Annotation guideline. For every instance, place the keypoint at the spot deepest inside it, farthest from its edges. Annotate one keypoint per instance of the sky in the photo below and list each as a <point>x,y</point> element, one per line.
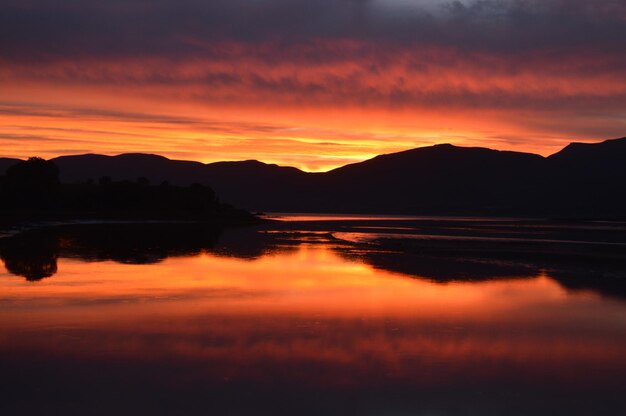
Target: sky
<point>312,84</point>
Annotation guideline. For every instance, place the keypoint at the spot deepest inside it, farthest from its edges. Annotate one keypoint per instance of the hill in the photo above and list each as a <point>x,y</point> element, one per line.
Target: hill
<point>6,163</point>
<point>243,184</point>
<point>582,180</point>
<point>443,179</point>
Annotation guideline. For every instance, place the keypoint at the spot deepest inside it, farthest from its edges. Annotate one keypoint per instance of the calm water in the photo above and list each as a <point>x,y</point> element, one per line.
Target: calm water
<point>293,319</point>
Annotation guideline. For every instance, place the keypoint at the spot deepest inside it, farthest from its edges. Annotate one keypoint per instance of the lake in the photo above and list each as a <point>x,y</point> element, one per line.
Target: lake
<point>347,315</point>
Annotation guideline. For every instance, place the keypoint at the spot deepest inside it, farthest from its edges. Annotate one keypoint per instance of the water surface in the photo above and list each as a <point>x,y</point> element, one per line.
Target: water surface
<point>293,320</point>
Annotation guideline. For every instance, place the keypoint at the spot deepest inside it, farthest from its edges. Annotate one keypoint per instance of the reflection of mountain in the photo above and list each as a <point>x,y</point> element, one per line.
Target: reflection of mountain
<point>34,254</point>
<point>449,268</point>
<point>582,180</point>
<point>608,283</point>
<point>135,243</point>
<point>575,267</point>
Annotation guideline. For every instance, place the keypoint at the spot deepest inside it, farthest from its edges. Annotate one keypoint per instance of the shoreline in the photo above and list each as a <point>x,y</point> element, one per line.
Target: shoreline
<point>11,225</point>
<point>584,265</point>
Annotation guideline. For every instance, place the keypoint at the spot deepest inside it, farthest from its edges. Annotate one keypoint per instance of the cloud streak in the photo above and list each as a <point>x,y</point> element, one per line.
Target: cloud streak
<point>392,72</point>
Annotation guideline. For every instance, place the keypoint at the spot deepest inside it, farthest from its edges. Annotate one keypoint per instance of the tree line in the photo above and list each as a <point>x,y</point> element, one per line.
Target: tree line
<point>34,186</point>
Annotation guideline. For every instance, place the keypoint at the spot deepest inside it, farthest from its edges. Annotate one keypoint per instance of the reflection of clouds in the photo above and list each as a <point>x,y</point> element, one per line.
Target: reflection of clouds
<point>288,315</point>
<point>345,351</point>
<point>309,316</point>
<point>463,250</point>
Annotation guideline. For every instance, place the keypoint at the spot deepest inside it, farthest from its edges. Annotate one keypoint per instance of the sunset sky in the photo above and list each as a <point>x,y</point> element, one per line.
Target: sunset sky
<point>308,83</point>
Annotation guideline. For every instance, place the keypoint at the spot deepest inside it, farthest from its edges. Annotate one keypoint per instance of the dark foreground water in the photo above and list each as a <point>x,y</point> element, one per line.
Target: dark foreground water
<point>348,316</point>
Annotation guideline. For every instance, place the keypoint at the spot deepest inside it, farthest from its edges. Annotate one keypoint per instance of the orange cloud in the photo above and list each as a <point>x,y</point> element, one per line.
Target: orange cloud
<point>316,106</point>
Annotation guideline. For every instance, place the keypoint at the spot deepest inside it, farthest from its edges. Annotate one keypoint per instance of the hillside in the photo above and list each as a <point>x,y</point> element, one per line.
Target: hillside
<point>582,180</point>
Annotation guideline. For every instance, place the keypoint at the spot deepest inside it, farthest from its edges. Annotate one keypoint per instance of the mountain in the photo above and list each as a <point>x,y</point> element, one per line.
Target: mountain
<point>439,179</point>
<point>590,178</point>
<point>604,154</point>
<point>582,180</point>
<point>244,184</point>
<point>6,163</point>
<point>128,166</point>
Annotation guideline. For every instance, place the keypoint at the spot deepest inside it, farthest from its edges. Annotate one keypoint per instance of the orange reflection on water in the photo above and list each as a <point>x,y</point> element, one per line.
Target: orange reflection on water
<point>312,307</point>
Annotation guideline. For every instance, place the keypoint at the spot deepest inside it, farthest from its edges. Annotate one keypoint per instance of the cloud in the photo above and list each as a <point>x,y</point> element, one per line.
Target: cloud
<point>238,74</point>
<point>353,74</point>
<point>548,54</point>
<point>40,29</point>
<point>49,131</point>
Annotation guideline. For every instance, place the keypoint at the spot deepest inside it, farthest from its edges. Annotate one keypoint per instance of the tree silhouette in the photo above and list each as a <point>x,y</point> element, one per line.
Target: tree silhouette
<point>34,174</point>
<point>33,187</point>
<point>32,184</point>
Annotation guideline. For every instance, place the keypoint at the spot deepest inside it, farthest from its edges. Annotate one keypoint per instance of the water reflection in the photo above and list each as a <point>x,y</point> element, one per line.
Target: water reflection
<point>34,254</point>
<point>248,321</point>
<point>34,257</point>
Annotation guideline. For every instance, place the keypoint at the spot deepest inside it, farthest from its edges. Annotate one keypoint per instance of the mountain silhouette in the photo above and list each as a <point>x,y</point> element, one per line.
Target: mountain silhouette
<point>439,179</point>
<point>582,180</point>
<point>590,178</point>
<point>6,163</point>
<point>248,183</point>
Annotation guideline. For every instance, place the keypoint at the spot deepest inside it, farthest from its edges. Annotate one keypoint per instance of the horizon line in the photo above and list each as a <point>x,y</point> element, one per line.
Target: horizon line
<point>317,171</point>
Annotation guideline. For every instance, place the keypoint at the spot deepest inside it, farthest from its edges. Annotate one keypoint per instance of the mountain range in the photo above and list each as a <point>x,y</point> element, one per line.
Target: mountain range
<point>582,180</point>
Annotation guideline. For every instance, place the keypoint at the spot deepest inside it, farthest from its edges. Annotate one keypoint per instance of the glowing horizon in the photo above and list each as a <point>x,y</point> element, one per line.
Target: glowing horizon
<point>351,80</point>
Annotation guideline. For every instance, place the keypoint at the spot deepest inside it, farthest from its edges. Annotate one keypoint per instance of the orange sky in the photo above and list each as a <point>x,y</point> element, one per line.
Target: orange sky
<point>61,119</point>
<point>313,98</point>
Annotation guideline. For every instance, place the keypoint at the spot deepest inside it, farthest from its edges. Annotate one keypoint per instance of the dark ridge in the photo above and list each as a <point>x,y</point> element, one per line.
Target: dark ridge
<point>581,181</point>
<point>129,166</point>
<point>442,179</point>
<point>590,179</point>
<point>31,190</point>
<point>243,184</point>
<point>431,156</point>
<point>604,149</point>
<point>6,163</point>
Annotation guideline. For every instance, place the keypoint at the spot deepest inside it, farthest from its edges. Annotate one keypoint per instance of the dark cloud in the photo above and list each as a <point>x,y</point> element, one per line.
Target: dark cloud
<point>526,58</point>
<point>40,29</point>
